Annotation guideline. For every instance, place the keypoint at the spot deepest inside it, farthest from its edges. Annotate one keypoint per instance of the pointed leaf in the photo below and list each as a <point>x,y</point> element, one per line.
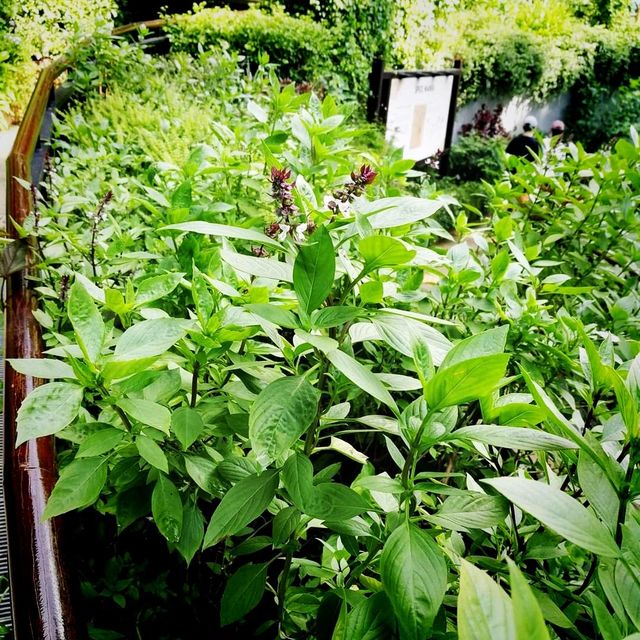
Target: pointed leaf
<point>87,322</point>
<point>513,437</point>
<point>314,270</point>
<point>242,504</point>
<point>100,442</point>
<point>192,532</point>
<point>361,377</point>
<point>527,615</point>
<point>371,619</point>
<point>487,343</point>
<point>187,425</point>
<point>47,410</point>
<point>166,508</point>
<point>152,453</point>
<point>414,575</point>
<point>79,485</point>
<point>243,592</point>
<point>383,251</point>
<point>484,609</point>
<point>283,411</point>
<point>150,338</point>
<point>559,512</point>
<point>465,381</point>
<point>223,231</point>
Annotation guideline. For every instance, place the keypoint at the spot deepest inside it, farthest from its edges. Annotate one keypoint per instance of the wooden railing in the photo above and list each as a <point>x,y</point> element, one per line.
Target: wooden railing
<point>41,587</point>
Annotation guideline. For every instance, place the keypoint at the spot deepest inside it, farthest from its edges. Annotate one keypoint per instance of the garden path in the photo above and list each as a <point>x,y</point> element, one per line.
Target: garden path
<point>6,142</point>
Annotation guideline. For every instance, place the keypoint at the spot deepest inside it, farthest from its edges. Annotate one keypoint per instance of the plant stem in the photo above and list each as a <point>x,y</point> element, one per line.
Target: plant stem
<point>310,440</point>
<point>194,384</point>
<point>411,461</point>
<point>282,589</point>
<point>587,579</point>
<point>625,491</point>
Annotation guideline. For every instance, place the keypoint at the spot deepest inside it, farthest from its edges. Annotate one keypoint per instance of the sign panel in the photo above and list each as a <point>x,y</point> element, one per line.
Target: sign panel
<point>418,114</point>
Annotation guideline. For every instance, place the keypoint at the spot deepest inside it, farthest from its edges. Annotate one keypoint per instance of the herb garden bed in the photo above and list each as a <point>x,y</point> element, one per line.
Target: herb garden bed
<point>272,426</point>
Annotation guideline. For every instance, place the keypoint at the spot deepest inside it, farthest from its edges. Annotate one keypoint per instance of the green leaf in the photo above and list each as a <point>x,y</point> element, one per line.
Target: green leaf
<point>223,231</point>
<point>527,615</point>
<point>146,412</point>
<point>484,609</point>
<point>557,420</point>
<point>606,623</point>
<point>471,511</point>
<point>202,297</point>
<point>414,575</point>
<point>465,381</point>
<point>277,315</point>
<point>47,410</point>
<point>383,251</point>
<point>192,532</point>
<point>100,442</point>
<point>559,512</point>
<point>361,377</point>
<point>243,592</point>
<point>242,504</point>
<point>598,490</point>
<point>386,213</point>
<point>284,525</point>
<point>403,334</point>
<point>627,582</point>
<point>488,343</point>
<point>334,316</point>
<point>150,338</point>
<point>260,267</point>
<point>157,287</point>
<point>182,198</point>
<point>87,322</point>
<point>512,438</point>
<point>371,619</point>
<point>314,270</point>
<point>372,292</point>
<point>41,368</point>
<point>166,508</point>
<point>297,478</point>
<point>187,425</point>
<point>203,472</point>
<point>152,453</point>
<point>282,412</point>
<point>333,501</point>
<point>79,485</point>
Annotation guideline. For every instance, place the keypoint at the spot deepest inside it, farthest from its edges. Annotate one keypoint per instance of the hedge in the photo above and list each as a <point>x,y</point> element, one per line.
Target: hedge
<point>300,47</point>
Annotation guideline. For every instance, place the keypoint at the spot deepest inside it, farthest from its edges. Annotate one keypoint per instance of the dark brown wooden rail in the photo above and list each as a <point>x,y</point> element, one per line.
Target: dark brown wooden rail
<point>41,591</point>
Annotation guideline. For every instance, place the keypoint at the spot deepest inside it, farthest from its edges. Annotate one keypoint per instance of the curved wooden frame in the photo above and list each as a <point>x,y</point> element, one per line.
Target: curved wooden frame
<point>41,593</point>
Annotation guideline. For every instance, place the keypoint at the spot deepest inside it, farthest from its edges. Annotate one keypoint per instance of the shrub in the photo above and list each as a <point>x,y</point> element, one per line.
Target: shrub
<point>323,425</point>
<point>298,46</point>
<point>361,32</point>
<point>34,31</point>
<point>474,157</point>
<point>603,116</point>
<point>535,48</point>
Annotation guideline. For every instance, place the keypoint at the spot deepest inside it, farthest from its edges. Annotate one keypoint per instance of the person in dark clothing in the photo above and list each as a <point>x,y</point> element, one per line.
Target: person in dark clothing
<point>526,144</point>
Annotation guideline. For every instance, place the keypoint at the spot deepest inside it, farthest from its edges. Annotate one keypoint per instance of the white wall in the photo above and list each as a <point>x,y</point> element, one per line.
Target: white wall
<point>514,112</point>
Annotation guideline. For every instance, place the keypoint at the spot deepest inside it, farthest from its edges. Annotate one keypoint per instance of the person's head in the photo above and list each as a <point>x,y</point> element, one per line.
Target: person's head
<point>530,123</point>
<point>557,128</point>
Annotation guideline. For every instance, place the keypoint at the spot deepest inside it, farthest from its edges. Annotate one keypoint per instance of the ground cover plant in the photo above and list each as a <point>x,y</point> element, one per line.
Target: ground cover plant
<point>261,362</point>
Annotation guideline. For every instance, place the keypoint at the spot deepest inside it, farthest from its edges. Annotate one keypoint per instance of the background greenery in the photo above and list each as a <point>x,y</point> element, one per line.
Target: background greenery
<point>528,47</point>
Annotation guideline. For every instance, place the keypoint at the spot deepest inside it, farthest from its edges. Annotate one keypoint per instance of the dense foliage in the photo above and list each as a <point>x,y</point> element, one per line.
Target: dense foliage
<point>259,350</point>
<point>32,32</point>
<point>535,48</point>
